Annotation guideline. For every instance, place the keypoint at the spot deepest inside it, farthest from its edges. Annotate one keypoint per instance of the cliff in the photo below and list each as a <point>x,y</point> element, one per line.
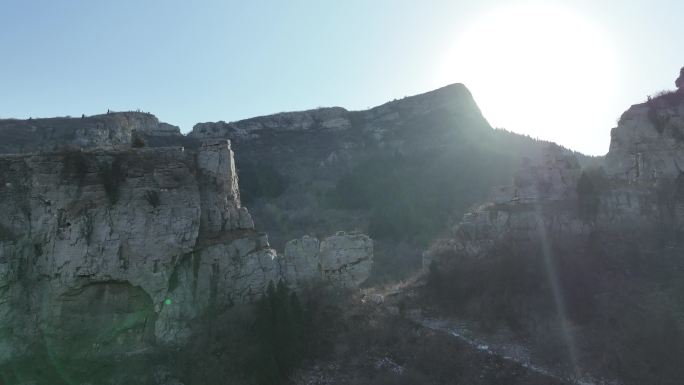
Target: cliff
<point>583,265</point>
<point>115,227</point>
<point>111,130</point>
<point>396,172</point>
<point>113,251</point>
<point>636,191</point>
<point>648,142</point>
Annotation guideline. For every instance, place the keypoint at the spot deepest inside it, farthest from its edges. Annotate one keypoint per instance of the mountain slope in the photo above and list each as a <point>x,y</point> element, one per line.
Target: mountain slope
<point>584,265</point>
<point>399,171</point>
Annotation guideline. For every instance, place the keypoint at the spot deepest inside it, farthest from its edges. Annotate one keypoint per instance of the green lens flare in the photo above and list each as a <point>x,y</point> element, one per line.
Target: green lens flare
<point>167,301</point>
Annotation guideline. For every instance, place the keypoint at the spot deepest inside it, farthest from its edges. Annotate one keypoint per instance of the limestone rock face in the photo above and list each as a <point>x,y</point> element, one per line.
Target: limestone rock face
<point>540,199</point>
<point>216,277</point>
<point>301,259</point>
<point>550,176</point>
<point>312,150</point>
<point>343,259</point>
<point>639,197</point>
<point>334,118</point>
<point>454,97</point>
<point>120,251</point>
<point>314,167</point>
<point>648,142</point>
<point>219,189</point>
<point>112,252</point>
<point>107,131</point>
<point>346,259</point>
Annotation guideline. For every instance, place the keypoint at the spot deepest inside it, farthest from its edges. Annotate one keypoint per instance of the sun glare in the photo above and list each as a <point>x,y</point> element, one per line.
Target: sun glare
<point>539,70</point>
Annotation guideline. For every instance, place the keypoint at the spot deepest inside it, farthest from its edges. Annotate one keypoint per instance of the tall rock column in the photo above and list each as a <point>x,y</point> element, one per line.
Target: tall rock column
<point>221,209</point>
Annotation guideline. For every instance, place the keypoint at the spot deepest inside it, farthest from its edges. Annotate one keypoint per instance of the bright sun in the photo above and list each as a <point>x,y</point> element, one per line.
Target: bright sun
<point>542,71</point>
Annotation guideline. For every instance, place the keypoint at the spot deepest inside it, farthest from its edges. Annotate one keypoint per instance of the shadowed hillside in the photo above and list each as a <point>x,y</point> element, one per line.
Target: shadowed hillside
<point>400,172</point>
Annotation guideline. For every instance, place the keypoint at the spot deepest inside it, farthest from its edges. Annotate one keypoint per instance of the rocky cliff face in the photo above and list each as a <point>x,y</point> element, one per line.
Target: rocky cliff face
<point>551,197</point>
<point>640,193</point>
<point>135,230</point>
<point>344,259</point>
<point>543,197</point>
<point>111,130</point>
<point>334,118</point>
<point>648,142</point>
<point>109,251</point>
<point>312,150</point>
<point>595,254</point>
<point>396,171</point>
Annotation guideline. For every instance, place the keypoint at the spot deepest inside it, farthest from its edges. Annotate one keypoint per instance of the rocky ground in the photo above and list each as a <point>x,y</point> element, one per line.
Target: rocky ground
<point>378,341</point>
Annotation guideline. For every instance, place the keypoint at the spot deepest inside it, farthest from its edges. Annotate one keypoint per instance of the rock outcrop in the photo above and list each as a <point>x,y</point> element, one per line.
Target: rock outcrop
<point>648,142</point>
<point>219,190</point>
<point>343,259</point>
<point>107,131</point>
<point>543,195</point>
<point>311,151</point>
<point>109,249</point>
<point>594,252</point>
<point>158,236</point>
<point>455,98</point>
<point>334,118</point>
<point>390,171</point>
<point>636,193</point>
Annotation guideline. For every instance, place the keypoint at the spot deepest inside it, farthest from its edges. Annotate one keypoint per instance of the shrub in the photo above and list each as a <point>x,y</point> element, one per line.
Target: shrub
<point>74,165</point>
<point>661,101</point>
<point>621,303</point>
<point>137,141</point>
<point>112,175</point>
<point>152,197</point>
<point>394,261</point>
<point>6,234</point>
<point>280,331</point>
<point>412,197</point>
<point>504,289</point>
<point>640,342</point>
<point>591,184</point>
<point>260,180</point>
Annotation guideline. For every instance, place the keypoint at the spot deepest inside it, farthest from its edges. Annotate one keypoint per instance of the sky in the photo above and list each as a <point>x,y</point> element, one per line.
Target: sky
<point>198,61</point>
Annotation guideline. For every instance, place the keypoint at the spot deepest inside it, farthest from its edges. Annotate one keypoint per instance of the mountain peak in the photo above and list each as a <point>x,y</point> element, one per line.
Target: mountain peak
<point>455,98</point>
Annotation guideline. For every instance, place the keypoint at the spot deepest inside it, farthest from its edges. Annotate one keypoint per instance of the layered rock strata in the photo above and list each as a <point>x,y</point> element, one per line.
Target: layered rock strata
<point>157,236</point>
<point>118,234</point>
<point>107,131</point>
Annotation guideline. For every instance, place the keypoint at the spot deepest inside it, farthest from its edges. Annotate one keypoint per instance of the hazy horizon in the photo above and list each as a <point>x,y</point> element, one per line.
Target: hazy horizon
<point>231,61</point>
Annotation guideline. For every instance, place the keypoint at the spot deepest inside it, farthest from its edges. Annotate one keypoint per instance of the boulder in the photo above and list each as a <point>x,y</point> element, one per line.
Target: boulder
<point>343,259</point>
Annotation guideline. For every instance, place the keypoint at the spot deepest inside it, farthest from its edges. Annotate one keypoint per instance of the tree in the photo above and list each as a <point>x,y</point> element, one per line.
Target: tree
<point>279,328</point>
<point>590,186</point>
